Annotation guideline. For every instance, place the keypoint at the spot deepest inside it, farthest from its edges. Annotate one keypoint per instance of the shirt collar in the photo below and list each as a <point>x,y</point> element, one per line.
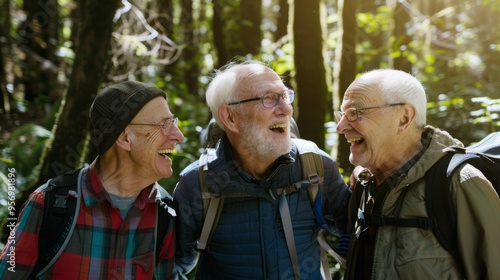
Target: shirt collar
<point>94,193</point>
<point>393,179</point>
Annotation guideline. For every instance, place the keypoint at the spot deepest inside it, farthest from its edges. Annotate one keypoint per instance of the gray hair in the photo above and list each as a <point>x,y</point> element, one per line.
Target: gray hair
<point>399,86</point>
<point>223,87</point>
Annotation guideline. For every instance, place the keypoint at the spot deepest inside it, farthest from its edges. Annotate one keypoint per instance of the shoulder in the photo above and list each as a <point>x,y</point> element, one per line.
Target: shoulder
<point>470,175</point>
<point>211,158</point>
<point>190,169</point>
<point>188,183</point>
<point>469,187</point>
<point>305,146</point>
<point>35,198</point>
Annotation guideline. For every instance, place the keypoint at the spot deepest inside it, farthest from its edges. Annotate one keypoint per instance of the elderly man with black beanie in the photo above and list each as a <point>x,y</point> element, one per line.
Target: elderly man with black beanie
<point>123,226</point>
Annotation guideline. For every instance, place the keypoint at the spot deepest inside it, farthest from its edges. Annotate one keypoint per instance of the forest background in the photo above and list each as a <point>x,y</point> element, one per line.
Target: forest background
<point>56,55</point>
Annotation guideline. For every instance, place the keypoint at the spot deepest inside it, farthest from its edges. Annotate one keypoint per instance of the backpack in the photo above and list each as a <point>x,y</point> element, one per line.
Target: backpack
<point>312,172</point>
<point>485,156</point>
<point>61,207</point>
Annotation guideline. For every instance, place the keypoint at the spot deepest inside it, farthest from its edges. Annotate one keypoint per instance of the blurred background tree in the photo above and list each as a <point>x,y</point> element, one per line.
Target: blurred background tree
<point>56,55</point>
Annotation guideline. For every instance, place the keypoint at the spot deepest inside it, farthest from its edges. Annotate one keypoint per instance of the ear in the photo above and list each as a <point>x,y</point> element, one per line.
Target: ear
<point>228,118</point>
<point>407,117</point>
<point>124,140</point>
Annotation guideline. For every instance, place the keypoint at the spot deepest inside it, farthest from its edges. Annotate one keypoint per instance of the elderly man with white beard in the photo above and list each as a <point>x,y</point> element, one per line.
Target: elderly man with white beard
<point>255,163</point>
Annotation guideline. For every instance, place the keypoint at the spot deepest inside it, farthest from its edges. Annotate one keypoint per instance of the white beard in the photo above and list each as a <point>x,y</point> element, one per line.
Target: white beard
<point>255,139</point>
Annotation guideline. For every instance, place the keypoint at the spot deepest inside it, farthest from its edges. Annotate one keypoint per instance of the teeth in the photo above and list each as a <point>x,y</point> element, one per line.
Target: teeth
<point>165,151</point>
<point>351,140</point>
<point>282,125</point>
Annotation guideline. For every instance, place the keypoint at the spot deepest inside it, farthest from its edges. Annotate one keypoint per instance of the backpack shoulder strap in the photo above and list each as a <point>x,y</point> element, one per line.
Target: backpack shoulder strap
<point>439,205</point>
<point>313,172</point>
<point>312,163</point>
<point>441,218</point>
<point>438,199</point>
<point>485,156</point>
<point>205,158</point>
<point>212,203</point>
<point>61,207</point>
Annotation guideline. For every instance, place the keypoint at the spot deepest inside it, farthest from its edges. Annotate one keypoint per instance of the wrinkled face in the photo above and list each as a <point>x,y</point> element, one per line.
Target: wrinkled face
<point>372,134</point>
<point>265,131</point>
<point>153,136</point>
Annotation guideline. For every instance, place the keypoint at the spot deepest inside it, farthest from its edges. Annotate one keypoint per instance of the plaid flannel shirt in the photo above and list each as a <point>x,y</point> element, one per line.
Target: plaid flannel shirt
<point>103,245</point>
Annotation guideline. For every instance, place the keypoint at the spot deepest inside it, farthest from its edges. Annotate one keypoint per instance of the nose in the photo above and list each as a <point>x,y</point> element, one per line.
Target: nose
<point>177,134</point>
<point>343,125</point>
<point>284,107</point>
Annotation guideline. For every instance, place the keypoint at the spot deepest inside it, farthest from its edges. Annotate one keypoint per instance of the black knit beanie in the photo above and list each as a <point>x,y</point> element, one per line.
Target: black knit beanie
<point>114,108</point>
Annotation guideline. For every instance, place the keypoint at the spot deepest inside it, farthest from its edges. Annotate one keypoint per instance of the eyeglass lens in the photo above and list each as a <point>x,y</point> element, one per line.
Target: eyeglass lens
<point>351,114</point>
<point>272,99</point>
<point>170,121</point>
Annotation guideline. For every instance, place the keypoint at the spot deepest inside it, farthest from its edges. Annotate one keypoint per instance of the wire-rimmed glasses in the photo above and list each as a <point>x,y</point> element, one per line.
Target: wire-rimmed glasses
<point>270,99</point>
<point>165,126</point>
<point>351,114</point>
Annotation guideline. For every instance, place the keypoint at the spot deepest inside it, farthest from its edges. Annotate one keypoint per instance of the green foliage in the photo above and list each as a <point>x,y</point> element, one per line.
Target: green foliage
<point>467,118</point>
<point>453,51</point>
<point>23,148</point>
<point>21,151</point>
<point>376,21</point>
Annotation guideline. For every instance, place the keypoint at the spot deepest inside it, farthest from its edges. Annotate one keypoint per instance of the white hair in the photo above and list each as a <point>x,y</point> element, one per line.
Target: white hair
<point>398,86</point>
<point>222,88</point>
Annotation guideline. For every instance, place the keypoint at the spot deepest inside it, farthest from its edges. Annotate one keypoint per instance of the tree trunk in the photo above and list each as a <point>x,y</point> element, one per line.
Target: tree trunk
<point>377,41</point>
<point>5,54</point>
<point>282,23</point>
<point>348,70</point>
<point>236,28</point>
<point>67,148</point>
<point>191,54</point>
<point>218,31</point>
<point>161,17</point>
<point>310,71</point>
<point>39,40</point>
<point>251,34</point>
<point>402,40</point>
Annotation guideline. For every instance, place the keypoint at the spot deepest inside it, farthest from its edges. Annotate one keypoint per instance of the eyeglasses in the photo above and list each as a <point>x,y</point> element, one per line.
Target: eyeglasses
<point>270,99</point>
<point>165,126</point>
<point>352,114</point>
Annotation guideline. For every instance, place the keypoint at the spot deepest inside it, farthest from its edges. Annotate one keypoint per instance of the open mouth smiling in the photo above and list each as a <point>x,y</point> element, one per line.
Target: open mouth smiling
<point>280,128</point>
<point>355,140</point>
<point>165,152</point>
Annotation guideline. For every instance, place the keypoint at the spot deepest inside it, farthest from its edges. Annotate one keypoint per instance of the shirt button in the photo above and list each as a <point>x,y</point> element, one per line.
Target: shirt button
<point>118,269</point>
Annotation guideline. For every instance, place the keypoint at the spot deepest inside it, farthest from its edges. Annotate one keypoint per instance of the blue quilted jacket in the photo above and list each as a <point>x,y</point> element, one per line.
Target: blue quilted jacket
<point>248,241</point>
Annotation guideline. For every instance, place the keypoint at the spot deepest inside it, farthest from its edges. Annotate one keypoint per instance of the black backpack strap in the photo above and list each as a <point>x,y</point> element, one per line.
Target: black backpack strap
<point>439,205</point>
<point>61,207</point>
